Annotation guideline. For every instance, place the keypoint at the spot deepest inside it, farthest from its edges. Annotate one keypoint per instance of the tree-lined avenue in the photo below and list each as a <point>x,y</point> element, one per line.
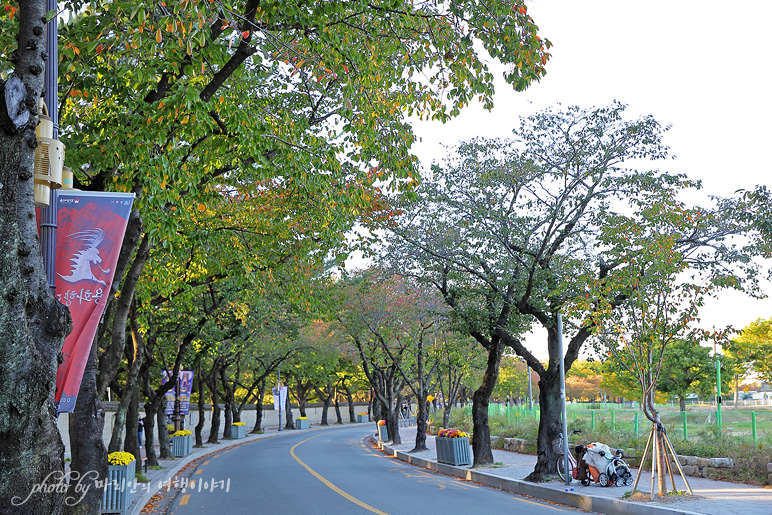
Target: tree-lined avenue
<point>335,472</point>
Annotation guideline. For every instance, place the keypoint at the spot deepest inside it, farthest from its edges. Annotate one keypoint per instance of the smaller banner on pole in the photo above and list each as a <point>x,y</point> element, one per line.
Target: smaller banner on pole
<point>184,387</point>
<point>89,236</point>
<point>279,398</point>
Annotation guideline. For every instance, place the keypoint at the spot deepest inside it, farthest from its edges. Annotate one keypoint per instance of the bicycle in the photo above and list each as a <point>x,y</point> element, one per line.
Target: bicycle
<point>557,447</point>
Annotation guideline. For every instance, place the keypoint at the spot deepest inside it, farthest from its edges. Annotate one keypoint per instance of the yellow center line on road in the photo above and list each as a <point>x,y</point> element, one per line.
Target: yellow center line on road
<point>198,471</point>
<point>331,486</point>
<point>184,499</point>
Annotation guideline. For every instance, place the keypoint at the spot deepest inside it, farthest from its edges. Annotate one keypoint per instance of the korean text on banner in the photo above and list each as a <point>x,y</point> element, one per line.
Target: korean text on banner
<point>89,235</point>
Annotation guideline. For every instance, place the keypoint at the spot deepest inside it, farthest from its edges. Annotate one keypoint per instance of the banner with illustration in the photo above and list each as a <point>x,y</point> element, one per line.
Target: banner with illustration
<point>90,229</point>
<point>184,387</point>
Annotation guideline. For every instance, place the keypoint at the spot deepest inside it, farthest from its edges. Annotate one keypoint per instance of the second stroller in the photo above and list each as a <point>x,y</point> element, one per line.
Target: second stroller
<point>606,467</point>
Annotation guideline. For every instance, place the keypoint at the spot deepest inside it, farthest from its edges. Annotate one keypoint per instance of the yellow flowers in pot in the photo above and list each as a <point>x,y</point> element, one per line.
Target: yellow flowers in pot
<point>120,458</point>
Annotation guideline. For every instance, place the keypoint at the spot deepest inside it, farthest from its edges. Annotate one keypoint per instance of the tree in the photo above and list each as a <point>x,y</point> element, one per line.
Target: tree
<point>395,325</point>
<point>688,368</point>
<point>33,324</point>
<point>514,233</point>
<point>458,359</point>
<point>752,348</point>
<point>583,381</point>
<point>194,104</point>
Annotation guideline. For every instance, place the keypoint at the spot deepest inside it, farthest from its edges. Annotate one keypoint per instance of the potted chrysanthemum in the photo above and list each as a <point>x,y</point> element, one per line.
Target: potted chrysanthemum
<point>302,423</point>
<point>363,417</point>
<point>182,443</point>
<point>119,484</point>
<point>453,447</point>
<point>383,431</point>
<point>238,430</point>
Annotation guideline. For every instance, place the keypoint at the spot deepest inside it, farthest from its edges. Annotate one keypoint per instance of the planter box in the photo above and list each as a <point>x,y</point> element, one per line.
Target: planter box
<point>363,418</point>
<point>302,423</point>
<point>238,432</point>
<point>119,488</point>
<point>453,451</point>
<point>182,445</point>
<point>383,433</point>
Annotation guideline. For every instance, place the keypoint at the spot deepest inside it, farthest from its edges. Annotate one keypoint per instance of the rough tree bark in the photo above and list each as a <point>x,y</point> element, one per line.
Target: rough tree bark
<point>89,455</point>
<point>259,408</point>
<point>326,397</point>
<point>32,323</point>
<point>350,398</point>
<point>201,406</point>
<point>481,433</point>
<point>288,413</point>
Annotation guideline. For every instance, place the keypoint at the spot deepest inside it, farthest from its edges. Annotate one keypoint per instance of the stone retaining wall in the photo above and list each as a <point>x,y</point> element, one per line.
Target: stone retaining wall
<point>513,444</point>
<point>704,467</point>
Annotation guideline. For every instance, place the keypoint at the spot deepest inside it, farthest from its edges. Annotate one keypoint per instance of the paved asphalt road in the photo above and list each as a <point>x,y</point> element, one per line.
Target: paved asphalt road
<point>334,472</point>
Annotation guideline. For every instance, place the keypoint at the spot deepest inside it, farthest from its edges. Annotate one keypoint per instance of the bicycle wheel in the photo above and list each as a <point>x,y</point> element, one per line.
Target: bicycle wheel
<point>561,468</point>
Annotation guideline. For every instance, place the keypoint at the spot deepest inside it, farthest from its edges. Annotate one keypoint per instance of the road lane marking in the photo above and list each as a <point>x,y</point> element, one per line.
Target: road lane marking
<point>184,499</point>
<point>331,486</point>
<point>198,471</point>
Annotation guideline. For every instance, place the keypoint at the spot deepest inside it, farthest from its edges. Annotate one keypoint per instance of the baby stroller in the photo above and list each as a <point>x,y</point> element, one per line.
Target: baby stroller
<point>606,467</point>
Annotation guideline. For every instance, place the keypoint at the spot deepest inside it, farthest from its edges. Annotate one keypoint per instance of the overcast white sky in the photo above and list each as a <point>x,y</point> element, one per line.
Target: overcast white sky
<point>701,66</point>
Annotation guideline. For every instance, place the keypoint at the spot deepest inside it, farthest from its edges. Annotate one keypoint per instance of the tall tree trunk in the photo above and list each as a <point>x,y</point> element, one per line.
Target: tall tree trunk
<point>288,414</point>
<point>481,433</point>
<point>259,408</point>
<point>163,433</point>
<point>152,458</point>
<point>89,455</point>
<point>326,397</point>
<point>550,425</point>
<point>228,403</point>
<point>350,399</point>
<point>131,442</point>
<point>682,403</point>
<point>301,394</point>
<point>214,428</point>
<point>421,421</point>
<point>337,409</point>
<point>136,351</point>
<point>119,422</point>
<point>33,324</point>
<point>201,407</point>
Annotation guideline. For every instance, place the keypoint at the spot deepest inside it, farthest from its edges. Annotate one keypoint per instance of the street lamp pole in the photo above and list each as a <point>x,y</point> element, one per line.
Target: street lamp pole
<point>567,470</point>
<point>48,221</point>
<point>530,389</point>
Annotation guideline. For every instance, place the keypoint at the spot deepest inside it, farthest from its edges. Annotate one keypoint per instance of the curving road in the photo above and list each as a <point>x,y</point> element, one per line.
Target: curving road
<point>334,472</point>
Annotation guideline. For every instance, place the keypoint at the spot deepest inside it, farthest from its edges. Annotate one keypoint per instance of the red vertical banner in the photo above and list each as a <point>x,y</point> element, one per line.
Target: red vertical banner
<point>90,229</point>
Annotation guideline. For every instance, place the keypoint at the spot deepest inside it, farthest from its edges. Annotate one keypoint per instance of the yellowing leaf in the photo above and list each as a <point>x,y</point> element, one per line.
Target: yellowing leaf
<point>158,36</point>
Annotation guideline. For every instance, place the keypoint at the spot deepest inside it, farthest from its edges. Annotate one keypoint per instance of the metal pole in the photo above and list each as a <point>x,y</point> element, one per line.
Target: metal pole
<point>636,424</point>
<point>753,425</point>
<point>48,221</point>
<point>278,392</point>
<point>686,433</point>
<point>530,390</point>
<point>718,391</point>
<point>567,470</point>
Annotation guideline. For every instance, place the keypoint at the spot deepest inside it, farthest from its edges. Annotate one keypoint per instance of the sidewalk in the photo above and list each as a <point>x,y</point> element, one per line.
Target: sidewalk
<point>710,497</point>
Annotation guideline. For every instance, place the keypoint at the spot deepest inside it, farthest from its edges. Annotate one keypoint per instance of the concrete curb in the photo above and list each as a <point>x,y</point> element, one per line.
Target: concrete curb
<point>517,486</point>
